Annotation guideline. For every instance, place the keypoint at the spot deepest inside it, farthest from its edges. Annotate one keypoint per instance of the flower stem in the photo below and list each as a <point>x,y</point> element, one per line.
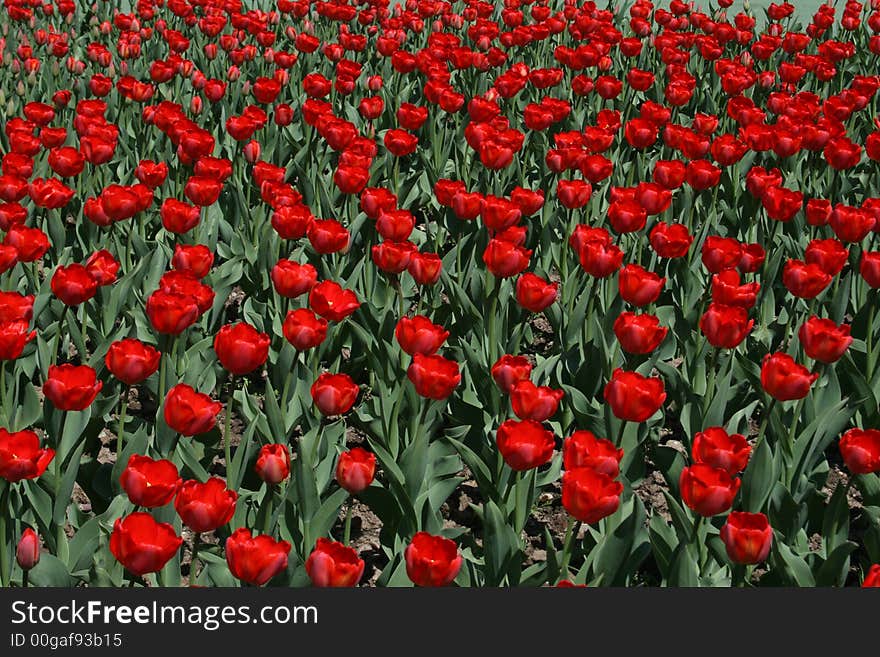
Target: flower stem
<point>227,434</point>
<point>566,548</point>
<point>194,562</point>
<point>346,536</point>
<point>4,553</point>
<point>121,430</point>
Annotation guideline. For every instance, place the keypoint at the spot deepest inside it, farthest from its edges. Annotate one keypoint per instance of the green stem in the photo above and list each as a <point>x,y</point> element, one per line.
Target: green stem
<point>566,548</point>
<point>869,339</point>
<point>346,536</point>
<point>194,562</point>
<point>710,386</point>
<point>24,579</point>
<point>4,539</point>
<point>698,544</point>
<point>493,328</point>
<point>620,433</point>
<point>3,395</point>
<point>763,428</point>
<point>121,430</point>
<point>58,336</point>
<point>227,434</point>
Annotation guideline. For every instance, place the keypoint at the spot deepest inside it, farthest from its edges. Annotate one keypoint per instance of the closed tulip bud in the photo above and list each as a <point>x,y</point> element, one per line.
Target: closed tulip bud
<point>589,495</point>
<point>425,268</point>
<point>747,537</point>
<point>255,559</point>
<point>824,340</point>
<point>332,564</point>
<point>273,463</point>
<point>355,469</point>
<point>432,560</point>
<point>707,490</point>
<point>334,394</point>
<point>143,545</point>
<point>27,552</point>
<point>150,483</point>
<point>860,449</point>
<point>715,447</point>
<point>196,260</point>
<point>204,507</point>
<point>509,370</point>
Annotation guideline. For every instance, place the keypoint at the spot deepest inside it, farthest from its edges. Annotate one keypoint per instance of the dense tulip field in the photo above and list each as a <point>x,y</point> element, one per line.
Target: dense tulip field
<point>523,293</point>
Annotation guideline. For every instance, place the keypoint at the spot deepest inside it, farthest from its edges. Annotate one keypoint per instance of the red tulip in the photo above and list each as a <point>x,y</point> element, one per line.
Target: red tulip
<point>150,483</point>
<point>639,334</point>
<point>131,361</point>
<point>715,447</point>
<point>784,379</point>
<point>707,490</point>
<point>303,329</point>
<point>73,284</point>
<point>860,449</point>
<point>432,560</point>
<point>196,260</point>
<point>725,327</point>
<point>21,456</point>
<point>671,240</point>
<point>419,335</point>
<point>727,290</point>
<point>869,268</point>
<point>355,469</point>
<point>634,397</point>
<point>525,445</point>
<point>589,495</point>
<point>434,377</point>
<point>171,313</point>
<point>189,412</point>
<point>329,300</point>
<point>241,348</point>
<point>505,259</point>
<point>292,279</point>
<point>534,293</point>
<point>71,387</point>
<point>400,142</point>
<point>720,253</point>
<point>872,579</point>
<point>583,449</point>
<point>830,255</point>
<point>639,286</point>
<point>509,370</point>
<point>332,564</point>
<point>255,559</point>
<point>328,236</point>
<point>334,394</point>
<point>531,402</point>
<point>747,537</point>
<point>425,268</point>
<point>823,340</point>
<point>13,337</point>
<point>179,217</point>
<point>204,507</point>
<point>804,280</point>
<point>292,222</point>
<point>143,545</point>
<point>273,463</point>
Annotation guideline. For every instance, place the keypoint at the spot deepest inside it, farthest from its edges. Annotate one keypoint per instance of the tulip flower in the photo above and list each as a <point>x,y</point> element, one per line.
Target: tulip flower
<point>150,483</point>
<point>747,537</point>
<point>432,560</point>
<point>143,545</point>
<point>255,559</point>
